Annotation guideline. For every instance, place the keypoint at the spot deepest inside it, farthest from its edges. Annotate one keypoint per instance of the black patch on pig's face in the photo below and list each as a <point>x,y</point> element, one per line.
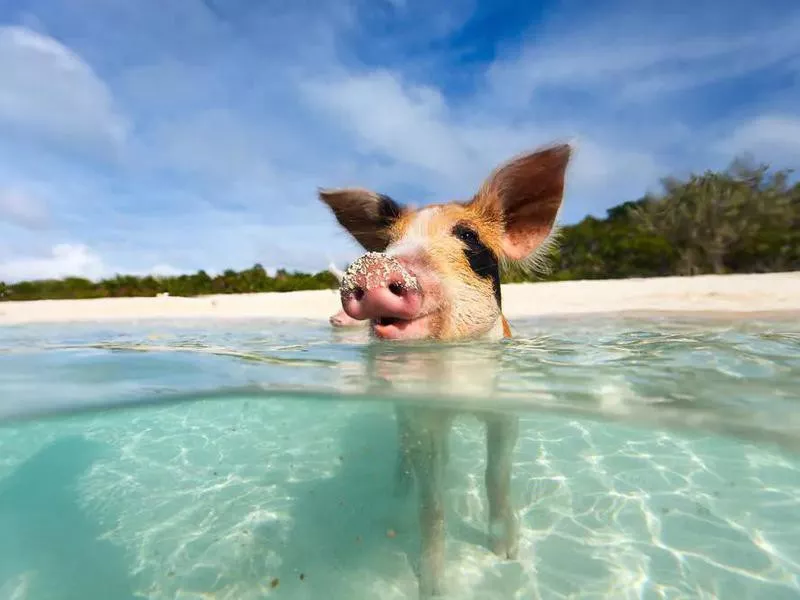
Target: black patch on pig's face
<point>481,259</point>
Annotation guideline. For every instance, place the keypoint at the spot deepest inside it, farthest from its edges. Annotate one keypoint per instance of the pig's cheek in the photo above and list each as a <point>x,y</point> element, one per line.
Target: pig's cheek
<point>433,293</point>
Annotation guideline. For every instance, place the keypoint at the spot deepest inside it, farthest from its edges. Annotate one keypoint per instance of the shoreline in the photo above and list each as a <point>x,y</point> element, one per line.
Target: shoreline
<point>744,295</point>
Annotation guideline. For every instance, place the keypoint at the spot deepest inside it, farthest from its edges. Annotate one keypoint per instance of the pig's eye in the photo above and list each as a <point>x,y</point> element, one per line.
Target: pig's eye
<point>466,235</point>
<point>481,259</point>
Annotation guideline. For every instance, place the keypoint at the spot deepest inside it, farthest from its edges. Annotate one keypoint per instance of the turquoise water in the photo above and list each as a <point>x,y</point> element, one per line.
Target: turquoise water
<point>235,460</point>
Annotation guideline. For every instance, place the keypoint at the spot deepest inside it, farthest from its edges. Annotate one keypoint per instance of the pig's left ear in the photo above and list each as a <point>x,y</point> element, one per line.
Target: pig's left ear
<point>366,215</point>
<point>526,194</point>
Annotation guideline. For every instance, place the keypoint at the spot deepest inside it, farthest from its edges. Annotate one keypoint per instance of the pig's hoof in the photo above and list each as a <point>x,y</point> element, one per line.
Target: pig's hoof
<point>430,588</point>
<point>504,537</point>
<point>431,575</point>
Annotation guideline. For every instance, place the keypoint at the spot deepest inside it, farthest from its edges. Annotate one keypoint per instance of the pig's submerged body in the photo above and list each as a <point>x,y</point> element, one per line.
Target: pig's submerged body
<point>630,480</point>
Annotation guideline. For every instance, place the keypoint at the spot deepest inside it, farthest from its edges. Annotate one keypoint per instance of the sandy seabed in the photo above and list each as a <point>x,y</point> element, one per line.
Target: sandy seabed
<point>730,294</point>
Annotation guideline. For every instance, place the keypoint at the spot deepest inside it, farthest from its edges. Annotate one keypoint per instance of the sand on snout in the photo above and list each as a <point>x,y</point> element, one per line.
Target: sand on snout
<point>708,294</point>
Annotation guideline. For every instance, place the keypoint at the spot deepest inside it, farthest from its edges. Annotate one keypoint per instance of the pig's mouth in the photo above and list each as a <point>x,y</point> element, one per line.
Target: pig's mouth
<point>396,328</point>
<point>386,321</point>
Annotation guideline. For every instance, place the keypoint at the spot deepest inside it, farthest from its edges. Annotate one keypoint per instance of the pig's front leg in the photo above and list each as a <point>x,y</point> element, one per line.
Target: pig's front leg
<point>502,432</point>
<point>427,441</point>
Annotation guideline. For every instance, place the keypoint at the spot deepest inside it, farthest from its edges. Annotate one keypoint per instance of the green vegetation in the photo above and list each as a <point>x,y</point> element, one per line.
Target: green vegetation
<point>745,219</point>
<point>250,280</point>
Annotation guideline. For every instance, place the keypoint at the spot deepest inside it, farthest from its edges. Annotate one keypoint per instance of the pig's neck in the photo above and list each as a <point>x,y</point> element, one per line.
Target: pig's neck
<point>499,330</point>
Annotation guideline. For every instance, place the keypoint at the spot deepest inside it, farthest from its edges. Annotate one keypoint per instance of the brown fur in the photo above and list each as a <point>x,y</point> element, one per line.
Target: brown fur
<point>528,190</point>
<point>446,257</point>
<point>356,210</point>
<point>506,329</point>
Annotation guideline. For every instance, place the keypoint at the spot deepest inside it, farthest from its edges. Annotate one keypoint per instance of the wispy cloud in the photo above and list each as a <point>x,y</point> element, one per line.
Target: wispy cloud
<point>772,138</point>
<point>197,139</point>
<point>641,56</point>
<point>49,91</point>
<point>23,208</point>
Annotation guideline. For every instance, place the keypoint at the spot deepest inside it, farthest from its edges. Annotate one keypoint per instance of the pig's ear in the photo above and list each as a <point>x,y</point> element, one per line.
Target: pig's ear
<point>366,215</point>
<point>526,194</point>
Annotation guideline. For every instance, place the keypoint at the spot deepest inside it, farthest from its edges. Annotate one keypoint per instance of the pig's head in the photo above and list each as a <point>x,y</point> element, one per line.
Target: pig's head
<point>434,272</point>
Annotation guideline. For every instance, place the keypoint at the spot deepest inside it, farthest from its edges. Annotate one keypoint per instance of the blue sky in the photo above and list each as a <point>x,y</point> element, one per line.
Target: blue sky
<point>163,137</point>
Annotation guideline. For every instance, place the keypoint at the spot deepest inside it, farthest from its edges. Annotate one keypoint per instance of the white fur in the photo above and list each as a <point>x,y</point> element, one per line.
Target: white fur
<point>416,236</point>
<point>471,308</point>
<point>496,332</point>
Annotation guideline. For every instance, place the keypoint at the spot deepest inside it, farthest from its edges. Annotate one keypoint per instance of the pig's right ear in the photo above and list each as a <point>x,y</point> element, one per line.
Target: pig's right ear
<point>365,214</point>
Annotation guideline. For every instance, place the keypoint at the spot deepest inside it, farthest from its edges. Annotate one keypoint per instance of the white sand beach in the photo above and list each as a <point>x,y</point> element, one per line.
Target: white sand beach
<point>728,294</point>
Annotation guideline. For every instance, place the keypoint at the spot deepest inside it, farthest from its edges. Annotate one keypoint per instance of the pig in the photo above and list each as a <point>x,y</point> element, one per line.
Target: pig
<point>433,273</point>
<point>341,318</point>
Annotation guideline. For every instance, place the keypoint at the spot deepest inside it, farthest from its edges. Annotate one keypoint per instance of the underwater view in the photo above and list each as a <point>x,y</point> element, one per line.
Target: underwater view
<point>657,458</point>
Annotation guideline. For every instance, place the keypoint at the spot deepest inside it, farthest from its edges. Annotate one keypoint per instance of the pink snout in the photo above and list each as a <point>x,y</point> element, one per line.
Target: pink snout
<point>377,286</point>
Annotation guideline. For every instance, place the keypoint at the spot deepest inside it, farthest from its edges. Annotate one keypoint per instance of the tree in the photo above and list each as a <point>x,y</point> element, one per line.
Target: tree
<point>724,222</point>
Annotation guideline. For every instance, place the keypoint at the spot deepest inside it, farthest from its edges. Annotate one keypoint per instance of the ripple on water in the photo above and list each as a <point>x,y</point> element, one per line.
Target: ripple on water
<point>245,496</point>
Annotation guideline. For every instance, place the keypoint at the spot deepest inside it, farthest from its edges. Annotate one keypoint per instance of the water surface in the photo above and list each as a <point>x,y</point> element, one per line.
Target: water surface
<point>658,458</point>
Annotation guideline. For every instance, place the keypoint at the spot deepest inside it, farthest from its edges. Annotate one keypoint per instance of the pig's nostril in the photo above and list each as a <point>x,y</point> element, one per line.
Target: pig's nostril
<point>358,294</point>
<point>397,288</point>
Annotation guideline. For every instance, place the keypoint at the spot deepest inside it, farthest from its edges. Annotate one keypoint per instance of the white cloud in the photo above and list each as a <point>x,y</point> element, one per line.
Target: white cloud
<point>70,260</point>
<point>771,138</point>
<point>632,54</point>
<point>450,148</point>
<point>48,90</point>
<point>405,122</point>
<point>65,260</point>
<point>22,208</point>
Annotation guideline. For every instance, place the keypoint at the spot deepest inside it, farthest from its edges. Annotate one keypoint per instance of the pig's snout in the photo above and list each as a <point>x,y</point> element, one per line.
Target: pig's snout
<point>393,301</point>
<point>377,286</point>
